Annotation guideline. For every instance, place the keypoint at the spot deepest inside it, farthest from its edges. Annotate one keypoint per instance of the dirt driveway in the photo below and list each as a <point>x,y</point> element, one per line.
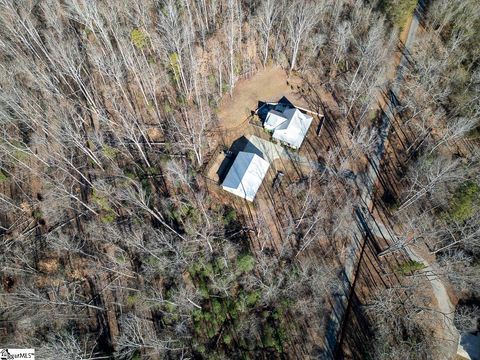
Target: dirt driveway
<point>271,151</point>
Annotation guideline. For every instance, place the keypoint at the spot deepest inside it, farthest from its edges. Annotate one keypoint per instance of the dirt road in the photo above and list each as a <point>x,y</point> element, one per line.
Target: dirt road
<point>366,183</point>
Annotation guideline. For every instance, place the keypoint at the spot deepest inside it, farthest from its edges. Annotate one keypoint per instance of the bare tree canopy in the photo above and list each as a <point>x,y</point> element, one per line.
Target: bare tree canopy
<point>120,120</point>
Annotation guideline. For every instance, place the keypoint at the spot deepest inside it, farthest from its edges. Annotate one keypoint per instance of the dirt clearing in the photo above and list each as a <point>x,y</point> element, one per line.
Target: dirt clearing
<point>269,84</point>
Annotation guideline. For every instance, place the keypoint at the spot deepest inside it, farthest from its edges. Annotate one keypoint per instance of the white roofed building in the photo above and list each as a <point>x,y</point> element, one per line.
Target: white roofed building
<point>274,119</point>
<point>245,175</point>
<point>289,126</point>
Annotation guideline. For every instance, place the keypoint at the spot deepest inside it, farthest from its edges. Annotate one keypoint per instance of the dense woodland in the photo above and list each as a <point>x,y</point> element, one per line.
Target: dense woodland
<point>111,245</point>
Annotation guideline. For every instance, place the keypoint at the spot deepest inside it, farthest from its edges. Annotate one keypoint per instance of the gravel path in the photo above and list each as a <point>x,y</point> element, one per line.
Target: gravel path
<point>273,151</point>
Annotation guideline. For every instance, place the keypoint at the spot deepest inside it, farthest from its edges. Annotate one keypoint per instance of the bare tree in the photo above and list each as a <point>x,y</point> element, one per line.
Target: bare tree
<point>68,346</point>
<point>138,335</point>
<point>190,129</point>
<point>426,177</point>
<point>301,17</point>
<point>466,318</point>
<point>232,35</point>
<point>267,16</point>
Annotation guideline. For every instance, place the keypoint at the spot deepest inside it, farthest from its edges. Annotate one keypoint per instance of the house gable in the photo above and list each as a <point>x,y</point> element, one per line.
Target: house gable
<point>292,130</point>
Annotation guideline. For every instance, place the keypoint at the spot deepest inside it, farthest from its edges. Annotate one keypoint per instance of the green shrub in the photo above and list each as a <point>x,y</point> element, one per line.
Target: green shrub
<point>21,155</point>
<point>147,187</point>
<point>194,269</point>
<point>152,171</point>
<point>212,80</point>
<point>253,297</point>
<point>398,11</point>
<point>167,108</point>
<point>169,307</point>
<point>227,339</point>
<point>277,314</point>
<point>207,316</point>
<point>186,212</point>
<point>108,218</point>
<point>121,258</point>
<point>225,87</point>
<point>219,264</point>
<point>410,266</point>
<point>464,201</point>
<point>132,299</point>
<point>197,315</point>
<point>101,201</point>
<point>201,349</point>
<point>222,313</point>
<point>245,263</point>
<point>131,175</point>
<point>267,339</point>
<point>285,304</point>
<point>37,214</point>
<point>216,307</point>
<point>211,332</point>
<point>230,216</point>
<point>3,177</point>
<point>240,305</point>
<point>203,290</point>
<point>139,38</point>
<point>207,270</point>
<point>175,64</point>
<point>152,261</point>
<point>109,152</point>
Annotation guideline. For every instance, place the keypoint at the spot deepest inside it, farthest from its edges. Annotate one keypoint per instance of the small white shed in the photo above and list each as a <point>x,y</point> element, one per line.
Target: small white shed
<point>246,175</point>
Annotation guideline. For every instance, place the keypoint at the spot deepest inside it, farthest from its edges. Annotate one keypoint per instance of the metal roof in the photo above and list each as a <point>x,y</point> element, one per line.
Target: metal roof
<point>246,175</point>
<point>292,130</point>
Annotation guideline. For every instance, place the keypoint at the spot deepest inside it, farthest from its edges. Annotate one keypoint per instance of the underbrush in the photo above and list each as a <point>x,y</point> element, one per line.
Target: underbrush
<point>398,11</point>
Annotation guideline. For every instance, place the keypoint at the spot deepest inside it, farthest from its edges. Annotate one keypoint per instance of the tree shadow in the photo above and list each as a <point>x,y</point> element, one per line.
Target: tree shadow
<point>358,332</point>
